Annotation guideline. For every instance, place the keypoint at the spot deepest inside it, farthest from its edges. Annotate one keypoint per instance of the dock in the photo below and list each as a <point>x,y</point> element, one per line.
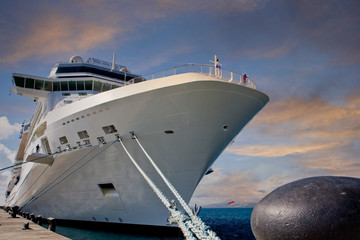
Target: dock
<point>12,228</point>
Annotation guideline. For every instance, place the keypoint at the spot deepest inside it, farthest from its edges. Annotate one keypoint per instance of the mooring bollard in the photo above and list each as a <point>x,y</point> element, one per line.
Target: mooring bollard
<point>13,214</point>
<point>27,215</point>
<point>39,220</point>
<point>32,217</point>
<point>26,226</point>
<point>14,211</point>
<point>52,224</point>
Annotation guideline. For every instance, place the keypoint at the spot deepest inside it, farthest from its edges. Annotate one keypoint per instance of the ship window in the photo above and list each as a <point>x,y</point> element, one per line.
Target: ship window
<point>39,84</point>
<point>106,87</point>
<point>101,140</point>
<point>169,131</point>
<point>65,94</point>
<point>72,86</point>
<point>48,86</point>
<point>82,93</point>
<point>19,81</point>
<point>83,134</point>
<point>63,140</point>
<point>114,86</point>
<point>64,86</point>
<point>97,86</point>
<point>88,85</point>
<point>29,83</point>
<point>56,86</point>
<point>80,85</point>
<point>110,129</point>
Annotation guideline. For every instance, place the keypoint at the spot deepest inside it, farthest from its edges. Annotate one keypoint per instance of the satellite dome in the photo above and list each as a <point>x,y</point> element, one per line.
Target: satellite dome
<point>76,59</point>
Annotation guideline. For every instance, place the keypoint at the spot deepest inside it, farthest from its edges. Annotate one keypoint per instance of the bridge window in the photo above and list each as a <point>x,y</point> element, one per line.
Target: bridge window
<point>29,83</point>
<point>19,81</point>
<point>80,85</point>
<point>105,87</point>
<point>97,86</point>
<point>39,84</point>
<point>48,86</point>
<point>56,86</point>
<point>88,85</point>
<point>64,86</point>
<point>72,86</point>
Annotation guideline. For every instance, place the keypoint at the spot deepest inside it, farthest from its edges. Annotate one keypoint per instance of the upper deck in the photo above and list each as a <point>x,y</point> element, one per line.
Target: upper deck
<point>99,76</point>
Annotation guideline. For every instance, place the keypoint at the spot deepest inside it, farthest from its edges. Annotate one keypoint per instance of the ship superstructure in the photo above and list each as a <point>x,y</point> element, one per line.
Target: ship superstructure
<point>73,166</point>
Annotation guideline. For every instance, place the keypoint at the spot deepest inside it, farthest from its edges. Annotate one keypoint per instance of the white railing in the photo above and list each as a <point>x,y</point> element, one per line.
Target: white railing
<point>211,70</point>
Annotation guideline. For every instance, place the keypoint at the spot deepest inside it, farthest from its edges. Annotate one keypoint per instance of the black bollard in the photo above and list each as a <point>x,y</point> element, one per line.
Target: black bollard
<point>39,220</point>
<point>26,226</point>
<point>32,217</point>
<point>52,224</point>
<point>27,215</point>
<point>14,211</point>
<point>321,208</point>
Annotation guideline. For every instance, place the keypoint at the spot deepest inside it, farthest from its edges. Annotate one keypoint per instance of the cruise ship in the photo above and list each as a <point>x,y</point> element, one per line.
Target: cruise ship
<point>100,133</point>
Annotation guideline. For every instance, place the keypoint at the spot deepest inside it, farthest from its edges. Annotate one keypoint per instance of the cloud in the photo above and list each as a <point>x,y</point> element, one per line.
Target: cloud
<point>311,133</point>
<point>6,128</point>
<point>9,153</point>
<point>311,119</point>
<point>221,186</point>
<point>57,34</point>
<point>330,26</point>
<point>278,150</point>
<point>42,28</point>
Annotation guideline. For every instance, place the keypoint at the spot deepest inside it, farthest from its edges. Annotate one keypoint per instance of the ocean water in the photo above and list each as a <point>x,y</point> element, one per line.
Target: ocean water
<point>228,223</point>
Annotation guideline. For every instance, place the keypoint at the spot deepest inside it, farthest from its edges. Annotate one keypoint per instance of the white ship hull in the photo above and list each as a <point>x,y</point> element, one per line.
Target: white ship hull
<point>204,114</point>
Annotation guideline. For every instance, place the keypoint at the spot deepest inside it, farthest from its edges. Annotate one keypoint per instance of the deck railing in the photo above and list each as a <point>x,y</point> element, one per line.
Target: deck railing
<point>211,70</point>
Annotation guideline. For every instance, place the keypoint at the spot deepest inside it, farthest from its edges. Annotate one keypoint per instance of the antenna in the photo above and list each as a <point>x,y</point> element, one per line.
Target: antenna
<point>113,63</point>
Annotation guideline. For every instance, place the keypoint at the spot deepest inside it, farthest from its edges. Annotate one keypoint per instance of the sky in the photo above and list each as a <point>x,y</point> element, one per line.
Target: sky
<point>305,55</point>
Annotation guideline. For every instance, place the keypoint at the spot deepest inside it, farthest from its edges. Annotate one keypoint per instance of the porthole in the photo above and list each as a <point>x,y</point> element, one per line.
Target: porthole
<point>225,128</point>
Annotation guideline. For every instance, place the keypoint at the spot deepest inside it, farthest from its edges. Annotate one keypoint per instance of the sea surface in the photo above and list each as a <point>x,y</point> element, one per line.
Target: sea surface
<point>228,223</point>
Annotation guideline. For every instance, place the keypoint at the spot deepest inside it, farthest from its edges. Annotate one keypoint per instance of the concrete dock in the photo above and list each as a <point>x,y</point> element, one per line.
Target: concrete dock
<point>12,228</point>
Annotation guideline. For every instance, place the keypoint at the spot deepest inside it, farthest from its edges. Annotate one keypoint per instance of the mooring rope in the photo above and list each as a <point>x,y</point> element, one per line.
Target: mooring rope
<point>194,224</point>
<point>177,216</point>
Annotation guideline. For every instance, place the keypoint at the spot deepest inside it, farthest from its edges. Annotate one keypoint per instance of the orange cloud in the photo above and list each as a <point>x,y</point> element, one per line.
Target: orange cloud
<point>278,150</point>
<point>57,34</point>
<point>313,118</point>
<point>90,23</point>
